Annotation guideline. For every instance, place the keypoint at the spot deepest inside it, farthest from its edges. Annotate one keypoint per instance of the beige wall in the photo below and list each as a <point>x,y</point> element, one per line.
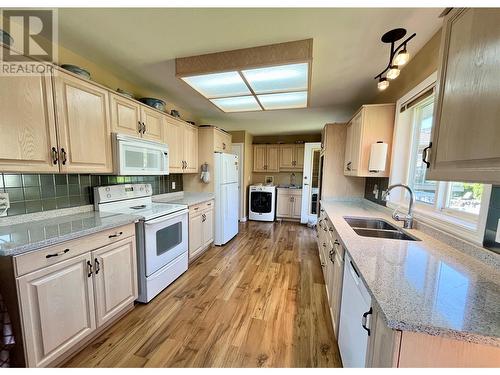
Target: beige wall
<point>104,75</point>
<point>421,66</point>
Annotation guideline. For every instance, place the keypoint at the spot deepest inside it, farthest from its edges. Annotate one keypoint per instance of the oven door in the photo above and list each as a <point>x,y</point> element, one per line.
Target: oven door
<point>165,239</point>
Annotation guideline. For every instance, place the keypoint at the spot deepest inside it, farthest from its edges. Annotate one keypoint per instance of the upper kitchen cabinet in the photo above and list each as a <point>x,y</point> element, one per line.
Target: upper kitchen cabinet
<point>125,116</point>
<point>466,131</point>
<point>291,157</point>
<point>190,148</point>
<point>84,129</point>
<point>182,141</point>
<point>222,141</point>
<point>153,123</point>
<point>27,125</point>
<point>132,118</point>
<point>371,124</point>
<point>266,158</point>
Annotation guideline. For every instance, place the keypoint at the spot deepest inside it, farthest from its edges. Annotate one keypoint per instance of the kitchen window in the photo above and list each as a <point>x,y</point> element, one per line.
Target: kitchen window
<point>456,207</point>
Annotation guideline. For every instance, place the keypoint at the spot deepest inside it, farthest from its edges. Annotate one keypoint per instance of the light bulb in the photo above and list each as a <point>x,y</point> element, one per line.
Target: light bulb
<point>393,72</point>
<point>382,84</point>
<point>402,57</point>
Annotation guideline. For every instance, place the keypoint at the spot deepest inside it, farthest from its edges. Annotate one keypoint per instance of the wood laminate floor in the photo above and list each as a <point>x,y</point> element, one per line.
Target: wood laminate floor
<point>259,301</point>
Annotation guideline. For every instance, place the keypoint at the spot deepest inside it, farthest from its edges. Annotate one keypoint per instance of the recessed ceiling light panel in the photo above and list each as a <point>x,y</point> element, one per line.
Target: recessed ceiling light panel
<point>218,85</point>
<point>293,77</point>
<point>284,100</point>
<point>237,104</point>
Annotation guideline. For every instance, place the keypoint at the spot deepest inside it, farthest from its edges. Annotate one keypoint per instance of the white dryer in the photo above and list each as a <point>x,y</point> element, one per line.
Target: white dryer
<point>262,203</point>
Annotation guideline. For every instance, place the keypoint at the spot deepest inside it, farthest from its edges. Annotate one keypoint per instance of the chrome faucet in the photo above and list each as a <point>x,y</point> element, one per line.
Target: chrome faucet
<point>406,218</point>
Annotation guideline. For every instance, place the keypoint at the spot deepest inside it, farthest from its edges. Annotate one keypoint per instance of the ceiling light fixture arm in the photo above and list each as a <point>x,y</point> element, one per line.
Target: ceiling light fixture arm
<point>393,53</point>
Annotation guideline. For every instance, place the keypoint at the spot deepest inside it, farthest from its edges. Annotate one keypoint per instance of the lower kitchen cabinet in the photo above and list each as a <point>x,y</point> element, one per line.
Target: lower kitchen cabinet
<point>65,303</point>
<point>289,203</point>
<point>57,308</point>
<point>201,228</point>
<point>115,279</point>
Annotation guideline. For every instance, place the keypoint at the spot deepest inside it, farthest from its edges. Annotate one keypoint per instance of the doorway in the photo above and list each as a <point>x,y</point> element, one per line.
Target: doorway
<point>310,183</point>
<point>239,150</point>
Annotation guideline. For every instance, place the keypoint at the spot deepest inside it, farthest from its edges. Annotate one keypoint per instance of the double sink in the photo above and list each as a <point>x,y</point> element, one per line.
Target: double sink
<point>377,228</point>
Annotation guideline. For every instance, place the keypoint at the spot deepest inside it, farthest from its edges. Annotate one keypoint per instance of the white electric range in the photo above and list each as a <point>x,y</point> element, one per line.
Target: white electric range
<point>161,234</point>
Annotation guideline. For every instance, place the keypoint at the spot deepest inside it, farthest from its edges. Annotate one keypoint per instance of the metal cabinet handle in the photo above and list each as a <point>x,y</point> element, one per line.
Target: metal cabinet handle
<point>223,146</point>
<point>97,266</point>
<point>364,319</point>
<point>424,155</point>
<point>139,127</point>
<point>115,235</point>
<point>55,155</point>
<point>143,128</point>
<point>331,253</point>
<point>89,268</point>
<point>56,254</point>
<point>209,204</point>
<point>64,156</point>
<point>348,166</point>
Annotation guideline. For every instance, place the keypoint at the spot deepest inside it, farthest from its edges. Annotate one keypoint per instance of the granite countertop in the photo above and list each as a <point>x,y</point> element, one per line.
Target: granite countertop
<point>27,233</point>
<point>422,286</point>
<point>187,198</point>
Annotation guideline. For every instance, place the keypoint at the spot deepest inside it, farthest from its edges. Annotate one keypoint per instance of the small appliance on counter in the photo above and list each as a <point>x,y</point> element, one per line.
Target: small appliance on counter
<point>161,234</point>
<point>262,203</point>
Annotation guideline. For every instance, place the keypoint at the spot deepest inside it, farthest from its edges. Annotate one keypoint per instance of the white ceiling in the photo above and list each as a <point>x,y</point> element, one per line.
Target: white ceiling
<point>141,45</point>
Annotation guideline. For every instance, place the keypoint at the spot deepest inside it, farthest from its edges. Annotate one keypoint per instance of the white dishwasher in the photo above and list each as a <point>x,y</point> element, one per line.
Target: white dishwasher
<point>355,312</point>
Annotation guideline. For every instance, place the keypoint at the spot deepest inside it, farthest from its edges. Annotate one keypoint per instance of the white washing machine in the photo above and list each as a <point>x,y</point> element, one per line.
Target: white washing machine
<point>262,203</point>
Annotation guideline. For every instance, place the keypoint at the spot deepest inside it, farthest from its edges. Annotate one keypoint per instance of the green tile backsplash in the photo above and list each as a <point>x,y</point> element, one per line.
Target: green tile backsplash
<point>30,193</point>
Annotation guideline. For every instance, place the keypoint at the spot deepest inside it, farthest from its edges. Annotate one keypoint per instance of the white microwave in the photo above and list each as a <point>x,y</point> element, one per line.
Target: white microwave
<point>136,156</point>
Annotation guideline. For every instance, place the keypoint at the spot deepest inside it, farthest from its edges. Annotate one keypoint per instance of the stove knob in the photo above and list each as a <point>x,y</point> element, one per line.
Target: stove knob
<point>107,189</point>
<point>142,188</point>
<point>108,195</point>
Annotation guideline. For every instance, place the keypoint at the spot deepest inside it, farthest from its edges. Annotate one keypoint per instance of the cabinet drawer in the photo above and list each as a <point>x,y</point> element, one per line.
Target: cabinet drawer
<point>44,257</point>
<point>195,209</point>
<point>208,205</point>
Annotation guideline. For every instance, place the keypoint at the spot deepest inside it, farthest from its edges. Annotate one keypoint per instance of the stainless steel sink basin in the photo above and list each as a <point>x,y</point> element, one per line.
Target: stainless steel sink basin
<point>358,222</point>
<point>378,228</point>
<point>392,234</point>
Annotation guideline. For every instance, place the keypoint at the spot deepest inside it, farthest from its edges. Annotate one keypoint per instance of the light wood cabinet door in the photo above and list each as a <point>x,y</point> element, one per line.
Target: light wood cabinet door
<point>27,124</point>
<point>348,149</point>
<point>208,227</point>
<point>336,289</point>
<point>287,156</point>
<point>125,116</point>
<point>115,275</point>
<point>356,141</point>
<point>297,205</point>
<point>284,205</point>
<point>190,149</point>
<point>273,158</point>
<point>259,158</point>
<point>195,234</point>
<point>466,129</point>
<point>174,138</point>
<point>299,157</point>
<point>57,309</point>
<point>154,122</point>
<point>83,124</point>
<point>222,141</point>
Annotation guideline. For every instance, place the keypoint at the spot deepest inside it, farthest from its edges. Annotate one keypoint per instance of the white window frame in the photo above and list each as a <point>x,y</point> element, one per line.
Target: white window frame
<point>461,224</point>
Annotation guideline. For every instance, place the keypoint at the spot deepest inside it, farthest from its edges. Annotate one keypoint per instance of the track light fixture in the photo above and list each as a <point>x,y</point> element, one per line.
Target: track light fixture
<point>398,57</point>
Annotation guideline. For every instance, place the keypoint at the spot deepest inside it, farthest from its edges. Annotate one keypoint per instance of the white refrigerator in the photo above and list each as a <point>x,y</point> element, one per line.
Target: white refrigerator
<point>226,197</point>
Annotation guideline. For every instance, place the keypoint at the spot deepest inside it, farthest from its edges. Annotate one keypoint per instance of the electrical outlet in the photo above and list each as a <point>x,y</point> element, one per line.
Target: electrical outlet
<point>173,185</point>
<point>497,238</point>
<point>4,203</point>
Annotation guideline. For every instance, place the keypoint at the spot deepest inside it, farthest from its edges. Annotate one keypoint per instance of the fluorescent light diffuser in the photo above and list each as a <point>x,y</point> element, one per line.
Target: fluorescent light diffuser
<point>237,104</point>
<point>278,78</point>
<point>218,85</point>
<point>284,100</point>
